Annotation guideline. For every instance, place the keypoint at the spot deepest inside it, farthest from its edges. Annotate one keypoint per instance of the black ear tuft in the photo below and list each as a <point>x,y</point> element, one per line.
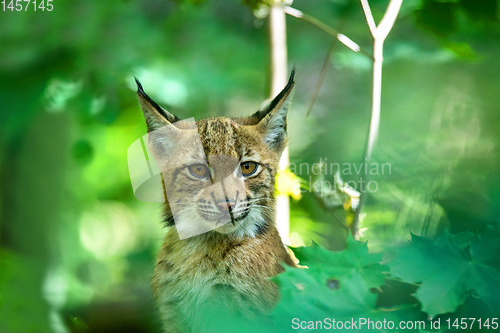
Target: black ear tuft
<point>279,99</point>
<point>139,86</point>
<point>272,118</point>
<point>285,90</point>
<point>155,115</point>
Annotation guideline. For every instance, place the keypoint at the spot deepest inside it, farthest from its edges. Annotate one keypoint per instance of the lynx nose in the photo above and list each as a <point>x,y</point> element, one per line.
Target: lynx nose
<point>224,205</point>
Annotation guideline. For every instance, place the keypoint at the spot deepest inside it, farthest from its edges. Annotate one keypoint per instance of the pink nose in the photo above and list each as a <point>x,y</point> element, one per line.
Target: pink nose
<point>224,206</point>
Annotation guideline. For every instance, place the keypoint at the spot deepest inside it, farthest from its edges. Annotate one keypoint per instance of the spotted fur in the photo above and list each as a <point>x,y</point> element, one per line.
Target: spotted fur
<point>228,266</point>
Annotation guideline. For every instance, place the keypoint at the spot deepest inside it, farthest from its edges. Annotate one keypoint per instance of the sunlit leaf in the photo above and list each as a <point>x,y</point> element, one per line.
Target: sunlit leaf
<point>288,183</point>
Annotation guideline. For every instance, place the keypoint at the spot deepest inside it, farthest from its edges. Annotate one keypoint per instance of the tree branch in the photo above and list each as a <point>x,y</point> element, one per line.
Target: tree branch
<point>379,34</point>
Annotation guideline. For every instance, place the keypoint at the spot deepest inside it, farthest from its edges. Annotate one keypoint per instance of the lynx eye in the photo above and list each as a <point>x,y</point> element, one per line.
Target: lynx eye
<point>198,170</point>
<point>249,168</point>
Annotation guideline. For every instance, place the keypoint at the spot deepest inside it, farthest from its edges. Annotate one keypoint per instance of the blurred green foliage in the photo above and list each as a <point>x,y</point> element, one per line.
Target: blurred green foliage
<point>77,249</point>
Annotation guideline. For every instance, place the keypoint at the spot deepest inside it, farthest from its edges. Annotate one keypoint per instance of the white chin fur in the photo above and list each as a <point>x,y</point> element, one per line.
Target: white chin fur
<point>190,224</point>
<point>244,228</point>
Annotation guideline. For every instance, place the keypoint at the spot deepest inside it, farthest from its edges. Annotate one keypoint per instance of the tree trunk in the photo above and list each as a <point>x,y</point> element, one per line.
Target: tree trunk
<point>278,79</point>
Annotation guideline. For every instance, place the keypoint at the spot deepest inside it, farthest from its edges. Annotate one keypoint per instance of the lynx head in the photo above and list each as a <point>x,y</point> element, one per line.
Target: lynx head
<point>218,173</point>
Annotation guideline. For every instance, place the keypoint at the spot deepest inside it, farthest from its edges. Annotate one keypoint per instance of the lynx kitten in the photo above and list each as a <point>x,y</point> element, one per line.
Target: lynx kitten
<point>218,178</point>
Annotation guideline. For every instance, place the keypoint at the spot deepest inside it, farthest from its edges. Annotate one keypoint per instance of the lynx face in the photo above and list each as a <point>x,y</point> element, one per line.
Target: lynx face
<point>218,173</point>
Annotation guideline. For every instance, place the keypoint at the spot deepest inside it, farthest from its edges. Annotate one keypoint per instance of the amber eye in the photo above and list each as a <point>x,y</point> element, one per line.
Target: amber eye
<point>198,170</point>
<point>249,168</point>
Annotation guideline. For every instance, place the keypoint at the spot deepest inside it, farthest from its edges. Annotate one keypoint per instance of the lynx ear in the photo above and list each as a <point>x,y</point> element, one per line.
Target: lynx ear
<point>272,118</point>
<point>156,117</point>
<point>163,137</point>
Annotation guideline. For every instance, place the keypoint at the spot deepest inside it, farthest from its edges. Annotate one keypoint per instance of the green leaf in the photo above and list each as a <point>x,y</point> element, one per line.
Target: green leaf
<point>354,260</point>
<point>484,9</point>
<point>450,268</point>
<point>462,50</point>
<point>338,284</point>
<point>254,4</point>
<point>437,17</point>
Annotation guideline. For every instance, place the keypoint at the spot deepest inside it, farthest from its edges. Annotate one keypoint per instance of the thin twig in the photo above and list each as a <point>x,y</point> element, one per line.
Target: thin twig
<point>326,28</point>
<point>369,17</point>
<point>331,49</point>
<point>389,18</point>
<point>321,77</point>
